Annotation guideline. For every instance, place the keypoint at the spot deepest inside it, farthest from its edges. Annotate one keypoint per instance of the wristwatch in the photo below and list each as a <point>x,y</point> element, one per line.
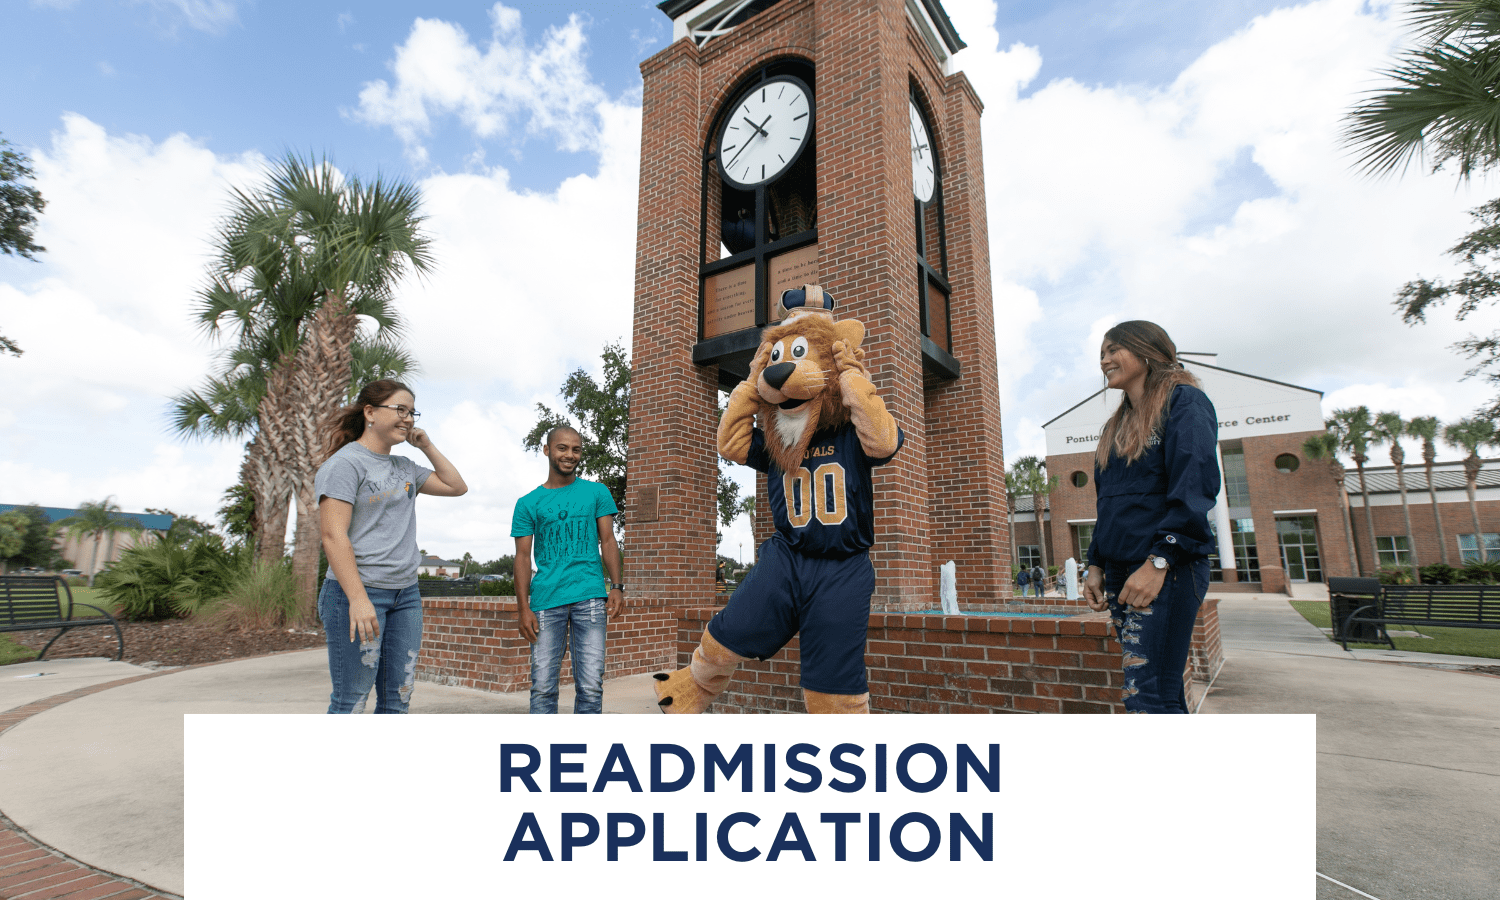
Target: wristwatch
<point>1159,562</point>
<point>616,587</point>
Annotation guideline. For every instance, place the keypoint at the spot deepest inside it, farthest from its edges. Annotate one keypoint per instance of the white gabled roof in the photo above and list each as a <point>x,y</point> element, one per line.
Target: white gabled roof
<point>1248,405</point>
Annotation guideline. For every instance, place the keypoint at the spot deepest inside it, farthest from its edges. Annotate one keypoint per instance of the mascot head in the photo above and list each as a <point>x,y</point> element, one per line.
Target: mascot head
<point>798,386</point>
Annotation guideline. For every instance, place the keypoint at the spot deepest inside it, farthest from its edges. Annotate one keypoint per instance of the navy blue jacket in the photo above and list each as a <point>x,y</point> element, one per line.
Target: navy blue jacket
<point>1159,504</point>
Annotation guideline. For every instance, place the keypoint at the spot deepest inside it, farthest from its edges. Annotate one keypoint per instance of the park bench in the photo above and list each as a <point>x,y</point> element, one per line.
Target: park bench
<point>1445,605</point>
<point>35,603</point>
<point>431,587</point>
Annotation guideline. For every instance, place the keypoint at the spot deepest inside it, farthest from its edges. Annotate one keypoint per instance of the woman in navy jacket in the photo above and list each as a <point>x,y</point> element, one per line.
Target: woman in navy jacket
<point>1157,476</point>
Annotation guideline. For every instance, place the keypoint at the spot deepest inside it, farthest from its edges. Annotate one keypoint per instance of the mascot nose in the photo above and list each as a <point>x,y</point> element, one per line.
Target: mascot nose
<point>777,375</point>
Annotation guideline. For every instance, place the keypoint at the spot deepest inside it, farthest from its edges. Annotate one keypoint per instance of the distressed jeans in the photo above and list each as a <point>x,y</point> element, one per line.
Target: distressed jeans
<point>580,627</point>
<point>1158,638</point>
<point>388,664</point>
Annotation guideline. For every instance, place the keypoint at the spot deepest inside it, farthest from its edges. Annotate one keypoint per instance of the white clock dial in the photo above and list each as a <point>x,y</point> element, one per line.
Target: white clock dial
<point>923,164</point>
<point>765,131</point>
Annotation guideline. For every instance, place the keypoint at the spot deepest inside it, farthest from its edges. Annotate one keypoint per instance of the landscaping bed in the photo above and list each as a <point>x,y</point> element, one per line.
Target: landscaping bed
<point>174,642</point>
<point>1483,642</point>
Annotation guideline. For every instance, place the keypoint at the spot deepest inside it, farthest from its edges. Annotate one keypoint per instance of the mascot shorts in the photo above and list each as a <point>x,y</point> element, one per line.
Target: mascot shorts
<point>826,600</point>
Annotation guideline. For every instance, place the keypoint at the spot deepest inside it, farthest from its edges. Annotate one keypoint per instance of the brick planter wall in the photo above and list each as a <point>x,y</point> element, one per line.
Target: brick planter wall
<point>472,642</point>
<point>967,664</point>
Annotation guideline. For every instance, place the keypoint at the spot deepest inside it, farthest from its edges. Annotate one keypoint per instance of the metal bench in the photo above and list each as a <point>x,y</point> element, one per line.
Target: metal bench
<point>35,603</point>
<point>1444,605</point>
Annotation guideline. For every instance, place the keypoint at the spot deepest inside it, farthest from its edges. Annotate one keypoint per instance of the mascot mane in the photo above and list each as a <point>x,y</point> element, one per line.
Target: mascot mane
<point>789,431</point>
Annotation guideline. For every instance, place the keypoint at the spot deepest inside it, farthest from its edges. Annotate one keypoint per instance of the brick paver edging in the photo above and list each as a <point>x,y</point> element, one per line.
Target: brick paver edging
<point>33,870</point>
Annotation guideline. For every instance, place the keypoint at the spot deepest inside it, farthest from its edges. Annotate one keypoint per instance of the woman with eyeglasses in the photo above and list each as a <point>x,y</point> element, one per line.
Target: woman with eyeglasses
<point>1156,470</point>
<point>366,496</point>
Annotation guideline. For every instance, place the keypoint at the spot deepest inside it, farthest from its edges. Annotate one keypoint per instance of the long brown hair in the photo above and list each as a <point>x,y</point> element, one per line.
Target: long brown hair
<point>1128,431</point>
<point>346,425</point>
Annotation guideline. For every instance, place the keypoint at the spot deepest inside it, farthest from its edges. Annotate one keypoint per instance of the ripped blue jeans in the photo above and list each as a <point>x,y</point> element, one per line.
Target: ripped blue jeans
<point>1158,638</point>
<point>388,664</point>
<point>580,628</point>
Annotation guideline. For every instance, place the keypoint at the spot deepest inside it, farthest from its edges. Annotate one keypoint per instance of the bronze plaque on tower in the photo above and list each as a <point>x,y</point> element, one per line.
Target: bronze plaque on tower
<point>792,269</point>
<point>729,301</point>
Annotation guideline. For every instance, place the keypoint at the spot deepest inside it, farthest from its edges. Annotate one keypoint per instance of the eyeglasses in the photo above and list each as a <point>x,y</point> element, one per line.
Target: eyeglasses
<point>402,412</point>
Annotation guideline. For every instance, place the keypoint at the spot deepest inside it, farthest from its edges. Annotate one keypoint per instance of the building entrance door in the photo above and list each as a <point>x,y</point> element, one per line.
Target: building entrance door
<point>1299,548</point>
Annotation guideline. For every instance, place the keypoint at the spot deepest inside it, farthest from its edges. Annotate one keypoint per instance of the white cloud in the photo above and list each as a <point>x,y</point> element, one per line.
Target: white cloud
<point>212,16</point>
<point>1096,197</point>
<point>440,72</point>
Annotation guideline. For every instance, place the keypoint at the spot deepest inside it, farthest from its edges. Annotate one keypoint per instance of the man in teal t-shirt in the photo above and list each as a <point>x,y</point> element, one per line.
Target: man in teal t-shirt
<point>567,522</point>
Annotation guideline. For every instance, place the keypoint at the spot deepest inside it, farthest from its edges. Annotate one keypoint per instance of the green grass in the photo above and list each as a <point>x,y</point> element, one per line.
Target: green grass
<point>1483,642</point>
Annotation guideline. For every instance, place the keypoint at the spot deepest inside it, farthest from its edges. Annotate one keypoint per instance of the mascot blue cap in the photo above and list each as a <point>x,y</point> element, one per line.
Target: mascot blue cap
<point>806,299</point>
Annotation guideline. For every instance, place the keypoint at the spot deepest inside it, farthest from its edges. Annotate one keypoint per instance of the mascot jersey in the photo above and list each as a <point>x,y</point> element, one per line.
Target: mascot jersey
<point>827,507</point>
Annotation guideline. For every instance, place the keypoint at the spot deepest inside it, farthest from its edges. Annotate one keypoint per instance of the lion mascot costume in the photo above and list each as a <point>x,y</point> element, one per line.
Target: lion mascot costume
<point>822,430</point>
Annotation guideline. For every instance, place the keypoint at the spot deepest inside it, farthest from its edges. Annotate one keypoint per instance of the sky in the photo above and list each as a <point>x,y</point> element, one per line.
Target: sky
<point>1173,160</point>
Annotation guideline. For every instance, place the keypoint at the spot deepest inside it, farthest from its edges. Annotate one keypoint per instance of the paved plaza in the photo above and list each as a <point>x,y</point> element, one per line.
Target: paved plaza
<point>1408,768</point>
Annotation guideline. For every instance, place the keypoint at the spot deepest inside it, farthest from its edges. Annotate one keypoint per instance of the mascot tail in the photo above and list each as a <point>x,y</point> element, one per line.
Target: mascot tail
<point>692,689</point>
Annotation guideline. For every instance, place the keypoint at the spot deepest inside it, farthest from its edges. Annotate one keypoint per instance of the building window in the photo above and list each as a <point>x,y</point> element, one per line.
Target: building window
<point>933,289</point>
<point>1083,535</point>
<point>1395,549</point>
<point>1287,463</point>
<point>1079,478</point>
<point>1469,549</point>
<point>1246,557</point>
<point>1236,483</point>
<point>1030,555</point>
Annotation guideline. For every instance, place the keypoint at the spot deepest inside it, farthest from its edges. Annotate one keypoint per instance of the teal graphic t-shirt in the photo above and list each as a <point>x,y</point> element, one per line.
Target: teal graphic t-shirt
<point>564,526</point>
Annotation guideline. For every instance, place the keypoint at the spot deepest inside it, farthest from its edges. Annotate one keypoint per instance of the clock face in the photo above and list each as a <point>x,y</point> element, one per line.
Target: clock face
<point>923,165</point>
<point>765,132</point>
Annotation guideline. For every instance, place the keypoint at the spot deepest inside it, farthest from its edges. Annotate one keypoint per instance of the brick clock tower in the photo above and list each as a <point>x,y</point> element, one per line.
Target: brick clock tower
<point>827,141</point>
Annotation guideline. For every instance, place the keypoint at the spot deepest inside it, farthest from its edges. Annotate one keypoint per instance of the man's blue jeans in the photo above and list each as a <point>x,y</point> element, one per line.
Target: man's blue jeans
<point>1158,638</point>
<point>388,664</point>
<point>580,627</point>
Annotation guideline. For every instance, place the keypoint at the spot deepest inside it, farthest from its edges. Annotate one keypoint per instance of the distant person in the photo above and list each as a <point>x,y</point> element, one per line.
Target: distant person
<point>1157,476</point>
<point>566,522</point>
<point>367,512</point>
<point>1023,578</point>
<point>1039,579</point>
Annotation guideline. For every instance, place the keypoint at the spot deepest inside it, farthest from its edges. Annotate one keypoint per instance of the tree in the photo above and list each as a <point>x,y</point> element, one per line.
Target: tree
<point>1390,428</point>
<point>184,529</point>
<point>20,204</point>
<point>747,508</point>
<point>96,520</point>
<point>238,515</point>
<point>1427,428</point>
<point>1479,285</point>
<point>1442,104</point>
<point>1355,430</point>
<point>39,543</point>
<point>600,412</point>
<point>1325,448</point>
<point>729,501</point>
<point>300,261</point>
<point>1470,435</point>
<point>1028,475</point>
<point>13,527</point>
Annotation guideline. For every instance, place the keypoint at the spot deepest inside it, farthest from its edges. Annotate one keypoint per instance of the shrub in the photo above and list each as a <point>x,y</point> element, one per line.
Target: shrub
<point>1480,573</point>
<point>263,596</point>
<point>1439,573</point>
<point>158,580</point>
<point>1395,575</point>
<point>505,587</point>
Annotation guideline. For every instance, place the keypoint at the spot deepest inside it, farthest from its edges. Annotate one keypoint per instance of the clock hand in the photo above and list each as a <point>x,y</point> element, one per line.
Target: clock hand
<point>759,130</point>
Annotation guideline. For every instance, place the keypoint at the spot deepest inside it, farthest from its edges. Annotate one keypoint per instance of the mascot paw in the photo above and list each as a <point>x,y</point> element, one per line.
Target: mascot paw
<point>678,693</point>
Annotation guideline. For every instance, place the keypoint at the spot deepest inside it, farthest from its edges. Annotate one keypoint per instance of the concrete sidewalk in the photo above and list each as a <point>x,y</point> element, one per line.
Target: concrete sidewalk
<point>1408,756</point>
<point>1408,752</point>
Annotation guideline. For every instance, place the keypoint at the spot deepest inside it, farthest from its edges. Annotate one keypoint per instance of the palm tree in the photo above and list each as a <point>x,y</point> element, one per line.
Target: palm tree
<point>95,520</point>
<point>1470,435</point>
<point>1390,427</point>
<point>300,261</point>
<point>1028,475</point>
<point>1427,428</point>
<point>228,406</point>
<point>1442,105</point>
<point>1355,430</point>
<point>1325,447</point>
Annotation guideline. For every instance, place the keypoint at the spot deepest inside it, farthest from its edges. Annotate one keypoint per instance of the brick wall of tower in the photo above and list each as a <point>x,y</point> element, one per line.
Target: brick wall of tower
<point>865,54</point>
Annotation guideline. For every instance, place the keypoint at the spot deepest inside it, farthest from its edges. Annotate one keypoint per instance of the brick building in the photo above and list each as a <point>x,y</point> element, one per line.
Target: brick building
<point>1394,546</point>
<point>879,198</point>
<point>1280,516</point>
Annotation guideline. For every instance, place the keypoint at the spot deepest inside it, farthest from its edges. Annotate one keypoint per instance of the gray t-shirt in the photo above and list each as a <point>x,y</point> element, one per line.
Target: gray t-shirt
<point>383,527</point>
